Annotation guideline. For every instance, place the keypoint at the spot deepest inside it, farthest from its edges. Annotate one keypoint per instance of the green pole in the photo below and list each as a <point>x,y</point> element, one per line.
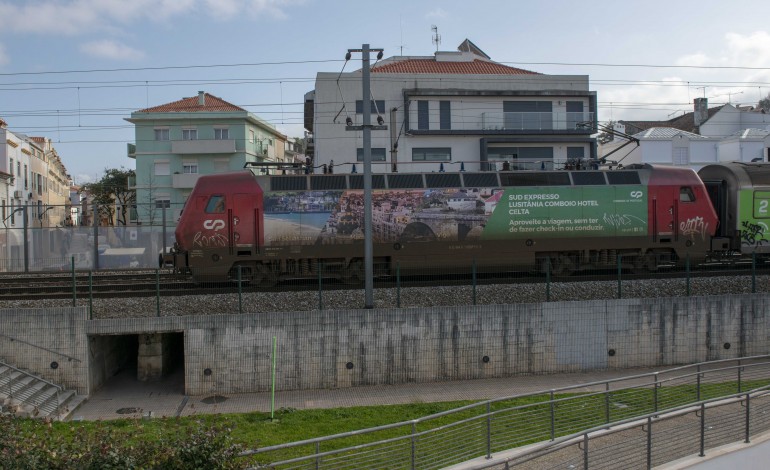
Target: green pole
<point>272,391</point>
<point>90,294</point>
<point>620,276</point>
<point>320,287</point>
<point>687,264</point>
<point>74,282</point>
<point>240,291</point>
<point>398,284</point>
<point>157,292</point>
<point>474,281</point>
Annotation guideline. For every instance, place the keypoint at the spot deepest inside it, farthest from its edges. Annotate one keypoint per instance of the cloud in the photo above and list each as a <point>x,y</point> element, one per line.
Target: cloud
<point>731,73</point>
<point>437,13</point>
<point>3,56</point>
<point>75,17</point>
<point>108,49</point>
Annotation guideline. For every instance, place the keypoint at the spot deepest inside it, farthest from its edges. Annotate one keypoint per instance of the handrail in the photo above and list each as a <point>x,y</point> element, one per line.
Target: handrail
<point>416,421</point>
<point>70,358</point>
<point>36,377</point>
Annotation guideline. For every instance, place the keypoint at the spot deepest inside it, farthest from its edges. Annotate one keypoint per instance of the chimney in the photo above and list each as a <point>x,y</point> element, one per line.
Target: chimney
<point>201,98</point>
<point>701,113</point>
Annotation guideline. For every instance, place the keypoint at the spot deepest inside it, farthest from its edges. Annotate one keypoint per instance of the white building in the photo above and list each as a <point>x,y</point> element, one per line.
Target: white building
<point>721,134</point>
<point>459,109</point>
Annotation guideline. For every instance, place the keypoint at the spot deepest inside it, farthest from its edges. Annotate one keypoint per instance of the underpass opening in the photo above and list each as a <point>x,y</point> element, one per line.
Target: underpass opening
<point>144,361</point>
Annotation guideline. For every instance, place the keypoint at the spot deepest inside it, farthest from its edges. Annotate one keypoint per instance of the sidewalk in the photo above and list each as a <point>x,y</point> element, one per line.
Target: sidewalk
<point>125,397</point>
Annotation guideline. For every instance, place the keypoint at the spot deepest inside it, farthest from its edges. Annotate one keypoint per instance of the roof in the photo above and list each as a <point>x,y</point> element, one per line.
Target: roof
<point>190,105</point>
<point>430,65</point>
<point>39,140</point>
<point>751,133</point>
<point>459,64</point>
<point>666,133</point>
<point>685,122</point>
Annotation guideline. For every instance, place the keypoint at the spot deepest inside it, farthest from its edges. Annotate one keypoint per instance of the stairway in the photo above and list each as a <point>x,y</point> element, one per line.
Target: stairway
<point>27,395</point>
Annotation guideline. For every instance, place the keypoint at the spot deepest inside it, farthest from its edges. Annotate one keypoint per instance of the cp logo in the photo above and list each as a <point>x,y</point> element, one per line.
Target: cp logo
<point>636,194</point>
<point>214,224</point>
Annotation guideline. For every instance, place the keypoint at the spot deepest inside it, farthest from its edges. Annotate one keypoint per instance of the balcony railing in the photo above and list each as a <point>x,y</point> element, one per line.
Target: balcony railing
<point>534,121</point>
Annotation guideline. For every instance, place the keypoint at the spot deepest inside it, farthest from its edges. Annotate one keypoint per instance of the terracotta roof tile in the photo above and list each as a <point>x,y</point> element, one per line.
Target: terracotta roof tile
<point>476,67</point>
<point>190,105</point>
<point>40,140</point>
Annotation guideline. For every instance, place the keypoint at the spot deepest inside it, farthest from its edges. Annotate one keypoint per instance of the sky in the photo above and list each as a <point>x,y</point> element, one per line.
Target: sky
<point>73,70</point>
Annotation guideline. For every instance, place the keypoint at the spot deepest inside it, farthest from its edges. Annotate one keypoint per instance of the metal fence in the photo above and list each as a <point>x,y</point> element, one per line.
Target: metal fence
<point>631,422</point>
<point>160,292</point>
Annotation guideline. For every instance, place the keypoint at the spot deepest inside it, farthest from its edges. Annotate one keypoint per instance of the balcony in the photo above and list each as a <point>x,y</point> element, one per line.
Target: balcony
<point>536,121</point>
<point>202,146</point>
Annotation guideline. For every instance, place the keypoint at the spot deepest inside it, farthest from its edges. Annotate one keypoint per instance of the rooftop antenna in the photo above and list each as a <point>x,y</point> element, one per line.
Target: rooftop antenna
<point>436,39</point>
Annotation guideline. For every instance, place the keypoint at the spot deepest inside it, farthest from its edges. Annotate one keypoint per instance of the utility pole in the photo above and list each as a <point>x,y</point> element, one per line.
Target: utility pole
<point>367,128</point>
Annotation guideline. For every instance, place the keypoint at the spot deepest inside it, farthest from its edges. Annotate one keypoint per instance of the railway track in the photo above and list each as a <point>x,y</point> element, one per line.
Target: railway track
<point>165,283</point>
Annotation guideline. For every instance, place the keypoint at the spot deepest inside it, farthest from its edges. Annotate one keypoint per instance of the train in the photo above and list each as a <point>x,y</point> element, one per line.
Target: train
<point>261,228</point>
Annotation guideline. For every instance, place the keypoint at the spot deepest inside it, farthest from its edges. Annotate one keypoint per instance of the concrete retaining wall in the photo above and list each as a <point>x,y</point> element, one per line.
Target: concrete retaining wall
<point>333,349</point>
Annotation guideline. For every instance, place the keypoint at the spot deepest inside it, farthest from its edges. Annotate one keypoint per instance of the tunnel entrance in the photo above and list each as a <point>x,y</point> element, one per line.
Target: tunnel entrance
<point>141,361</point>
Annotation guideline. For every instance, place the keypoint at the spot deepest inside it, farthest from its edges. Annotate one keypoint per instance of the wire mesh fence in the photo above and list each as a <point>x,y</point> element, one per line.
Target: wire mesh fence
<point>168,291</point>
<point>624,423</point>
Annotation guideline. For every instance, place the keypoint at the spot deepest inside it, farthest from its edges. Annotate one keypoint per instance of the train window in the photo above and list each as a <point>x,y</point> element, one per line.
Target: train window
<point>288,183</point>
<point>480,180</point>
<point>442,180</point>
<point>623,177</point>
<point>357,181</point>
<point>588,178</point>
<point>216,204</point>
<point>535,178</point>
<point>328,182</point>
<point>686,195</point>
<point>404,181</point>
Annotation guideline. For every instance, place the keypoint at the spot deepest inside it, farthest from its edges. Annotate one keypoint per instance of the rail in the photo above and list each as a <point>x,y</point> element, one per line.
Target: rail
<point>69,358</point>
<point>11,381</point>
<point>482,429</point>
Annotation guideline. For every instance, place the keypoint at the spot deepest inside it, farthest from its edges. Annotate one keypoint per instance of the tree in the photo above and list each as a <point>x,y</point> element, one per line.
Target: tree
<point>764,103</point>
<point>112,192</point>
<point>605,136</point>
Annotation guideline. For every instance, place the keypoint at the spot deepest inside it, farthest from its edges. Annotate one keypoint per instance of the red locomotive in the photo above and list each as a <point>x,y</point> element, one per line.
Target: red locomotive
<point>266,228</point>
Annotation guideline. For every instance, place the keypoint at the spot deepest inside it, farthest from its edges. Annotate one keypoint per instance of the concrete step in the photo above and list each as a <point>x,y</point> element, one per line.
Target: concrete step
<point>24,394</point>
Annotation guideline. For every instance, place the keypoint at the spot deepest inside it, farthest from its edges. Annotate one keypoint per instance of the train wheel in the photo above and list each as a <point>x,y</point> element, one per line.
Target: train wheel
<point>646,263</point>
<point>354,274</point>
<point>562,265</point>
<point>265,276</point>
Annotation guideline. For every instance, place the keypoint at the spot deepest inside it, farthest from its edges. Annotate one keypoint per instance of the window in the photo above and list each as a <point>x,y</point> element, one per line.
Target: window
<point>575,153</point>
<point>526,115</point>
<point>26,178</point>
<point>432,154</point>
<point>574,114</point>
<point>162,202</point>
<point>423,116</point>
<point>10,169</point>
<point>377,106</point>
<point>681,156</point>
<point>162,134</point>
<point>189,134</point>
<point>4,216</point>
<point>190,168</point>
<point>162,169</point>
<point>216,205</point>
<point>378,154</point>
<point>252,137</point>
<point>40,184</point>
<point>686,195</point>
<point>445,115</point>
<point>221,134</point>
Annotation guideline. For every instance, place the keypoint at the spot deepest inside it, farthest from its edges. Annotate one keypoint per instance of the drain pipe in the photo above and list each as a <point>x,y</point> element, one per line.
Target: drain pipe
<point>393,142</point>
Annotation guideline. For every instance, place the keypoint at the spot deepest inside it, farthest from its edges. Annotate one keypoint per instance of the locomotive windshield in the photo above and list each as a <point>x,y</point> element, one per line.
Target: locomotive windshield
<point>216,204</point>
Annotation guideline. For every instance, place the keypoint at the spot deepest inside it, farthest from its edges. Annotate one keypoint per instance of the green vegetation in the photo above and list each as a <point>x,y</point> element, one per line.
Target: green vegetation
<point>213,441</point>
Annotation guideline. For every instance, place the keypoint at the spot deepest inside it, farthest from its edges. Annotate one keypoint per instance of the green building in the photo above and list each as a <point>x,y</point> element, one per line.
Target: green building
<point>179,141</point>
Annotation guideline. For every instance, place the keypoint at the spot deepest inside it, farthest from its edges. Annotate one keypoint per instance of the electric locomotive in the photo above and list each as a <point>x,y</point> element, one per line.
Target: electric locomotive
<point>265,228</point>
